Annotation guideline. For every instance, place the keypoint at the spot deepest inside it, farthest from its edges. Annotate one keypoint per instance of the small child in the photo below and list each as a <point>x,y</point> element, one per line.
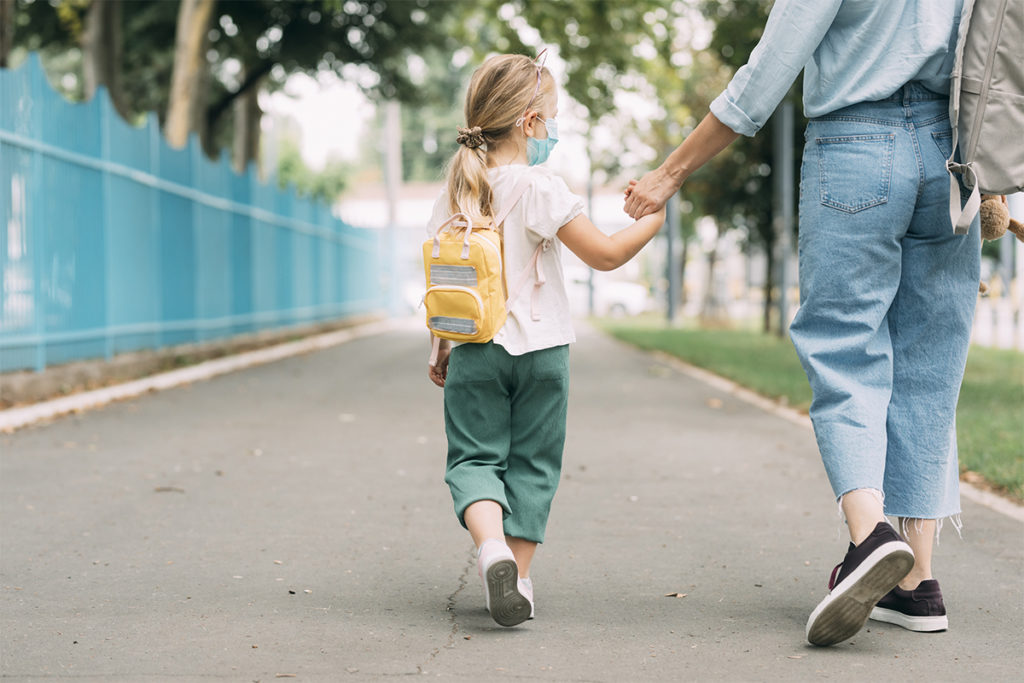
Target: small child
<point>505,400</point>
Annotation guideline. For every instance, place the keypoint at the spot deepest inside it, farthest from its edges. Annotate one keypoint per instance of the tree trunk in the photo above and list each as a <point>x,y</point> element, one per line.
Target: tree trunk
<point>709,308</point>
<point>682,271</point>
<point>253,77</point>
<point>186,110</point>
<point>769,284</point>
<point>102,47</point>
<point>6,31</point>
<point>246,144</point>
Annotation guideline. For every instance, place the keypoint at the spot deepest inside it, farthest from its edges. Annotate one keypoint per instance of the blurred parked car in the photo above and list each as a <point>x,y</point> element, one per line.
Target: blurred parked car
<point>612,297</point>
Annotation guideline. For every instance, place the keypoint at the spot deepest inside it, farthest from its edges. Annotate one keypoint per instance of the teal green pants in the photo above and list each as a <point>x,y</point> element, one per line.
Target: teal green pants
<point>505,420</point>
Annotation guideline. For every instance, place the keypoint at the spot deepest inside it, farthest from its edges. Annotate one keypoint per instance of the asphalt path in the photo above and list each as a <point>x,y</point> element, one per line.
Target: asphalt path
<point>291,521</point>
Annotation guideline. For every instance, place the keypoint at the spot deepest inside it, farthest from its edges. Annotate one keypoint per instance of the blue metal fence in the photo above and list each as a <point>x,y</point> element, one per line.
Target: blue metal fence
<point>111,241</point>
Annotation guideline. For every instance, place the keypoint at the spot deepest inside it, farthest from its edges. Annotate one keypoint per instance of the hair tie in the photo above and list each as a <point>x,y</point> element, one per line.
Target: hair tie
<point>470,137</point>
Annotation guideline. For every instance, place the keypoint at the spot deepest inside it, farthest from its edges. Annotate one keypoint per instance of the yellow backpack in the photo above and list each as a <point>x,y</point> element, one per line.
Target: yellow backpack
<point>463,263</point>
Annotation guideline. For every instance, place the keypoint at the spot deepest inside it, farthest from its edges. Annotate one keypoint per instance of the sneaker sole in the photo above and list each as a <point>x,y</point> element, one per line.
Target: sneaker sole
<point>507,605</point>
<point>911,623</point>
<point>845,610</point>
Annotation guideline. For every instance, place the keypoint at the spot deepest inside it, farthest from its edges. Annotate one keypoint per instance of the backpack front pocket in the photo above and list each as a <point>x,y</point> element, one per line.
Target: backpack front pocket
<point>463,307</point>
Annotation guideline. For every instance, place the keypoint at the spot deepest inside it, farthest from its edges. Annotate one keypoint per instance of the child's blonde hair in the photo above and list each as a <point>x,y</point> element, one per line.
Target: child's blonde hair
<point>500,94</point>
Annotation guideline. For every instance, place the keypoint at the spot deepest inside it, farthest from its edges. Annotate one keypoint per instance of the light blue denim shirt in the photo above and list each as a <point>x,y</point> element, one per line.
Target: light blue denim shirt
<point>852,51</point>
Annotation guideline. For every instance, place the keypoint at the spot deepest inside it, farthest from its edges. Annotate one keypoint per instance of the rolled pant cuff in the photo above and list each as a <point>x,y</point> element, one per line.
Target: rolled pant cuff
<point>462,505</point>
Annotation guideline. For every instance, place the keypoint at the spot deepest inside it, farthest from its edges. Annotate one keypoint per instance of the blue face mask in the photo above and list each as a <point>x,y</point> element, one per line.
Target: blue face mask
<point>538,151</point>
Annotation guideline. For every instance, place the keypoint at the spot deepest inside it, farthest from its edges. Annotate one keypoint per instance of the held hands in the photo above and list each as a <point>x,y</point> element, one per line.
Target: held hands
<point>650,193</point>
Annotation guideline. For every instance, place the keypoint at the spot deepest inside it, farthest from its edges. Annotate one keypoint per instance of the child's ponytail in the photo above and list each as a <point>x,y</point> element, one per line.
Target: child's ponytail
<point>469,190</point>
<point>499,94</point>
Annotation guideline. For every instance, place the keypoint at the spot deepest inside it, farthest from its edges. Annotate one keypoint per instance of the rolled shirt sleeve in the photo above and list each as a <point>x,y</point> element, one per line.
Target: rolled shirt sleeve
<point>793,32</point>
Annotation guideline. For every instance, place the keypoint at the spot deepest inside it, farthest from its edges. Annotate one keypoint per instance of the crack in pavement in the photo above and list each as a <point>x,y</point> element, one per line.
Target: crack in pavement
<point>450,608</point>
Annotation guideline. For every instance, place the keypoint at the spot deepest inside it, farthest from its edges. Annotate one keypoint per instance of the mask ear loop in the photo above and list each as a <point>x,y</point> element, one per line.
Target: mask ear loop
<point>539,63</point>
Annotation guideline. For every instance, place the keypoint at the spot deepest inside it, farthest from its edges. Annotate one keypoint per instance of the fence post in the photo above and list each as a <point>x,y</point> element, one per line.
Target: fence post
<point>103,102</point>
<point>34,203</point>
<point>195,153</point>
<point>155,139</point>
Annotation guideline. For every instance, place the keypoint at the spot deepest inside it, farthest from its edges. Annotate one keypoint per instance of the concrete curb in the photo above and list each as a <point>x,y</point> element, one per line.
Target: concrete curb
<point>968,490</point>
<point>16,418</point>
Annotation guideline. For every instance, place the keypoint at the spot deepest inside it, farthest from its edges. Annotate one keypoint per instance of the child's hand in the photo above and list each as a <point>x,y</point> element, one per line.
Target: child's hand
<point>438,373</point>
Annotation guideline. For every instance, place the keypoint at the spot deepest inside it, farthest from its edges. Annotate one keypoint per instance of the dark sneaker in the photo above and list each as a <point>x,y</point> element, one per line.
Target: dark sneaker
<point>868,572</point>
<point>918,610</point>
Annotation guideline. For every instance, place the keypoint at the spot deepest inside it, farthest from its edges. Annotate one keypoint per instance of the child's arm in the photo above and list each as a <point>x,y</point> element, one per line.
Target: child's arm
<point>438,373</point>
<point>608,252</point>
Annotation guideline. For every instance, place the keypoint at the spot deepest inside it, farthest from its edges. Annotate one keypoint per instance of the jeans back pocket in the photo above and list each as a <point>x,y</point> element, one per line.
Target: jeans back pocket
<point>855,170</point>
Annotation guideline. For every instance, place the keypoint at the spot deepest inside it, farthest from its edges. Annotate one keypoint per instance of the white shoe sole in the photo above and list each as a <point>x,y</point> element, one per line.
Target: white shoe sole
<point>911,623</point>
<point>845,610</point>
<point>507,605</point>
<point>528,594</point>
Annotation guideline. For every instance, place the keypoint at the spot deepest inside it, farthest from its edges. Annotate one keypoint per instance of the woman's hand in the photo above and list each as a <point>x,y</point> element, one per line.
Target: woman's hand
<point>650,193</point>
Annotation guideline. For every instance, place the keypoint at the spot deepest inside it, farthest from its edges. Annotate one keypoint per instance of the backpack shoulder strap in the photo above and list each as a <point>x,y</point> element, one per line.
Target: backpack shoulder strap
<point>960,216</point>
<point>517,193</point>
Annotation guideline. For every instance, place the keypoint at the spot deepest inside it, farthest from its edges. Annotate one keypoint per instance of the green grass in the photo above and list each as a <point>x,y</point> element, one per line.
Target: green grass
<point>990,417</point>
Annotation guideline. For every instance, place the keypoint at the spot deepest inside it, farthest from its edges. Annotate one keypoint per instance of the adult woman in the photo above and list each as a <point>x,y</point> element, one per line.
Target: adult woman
<point>887,290</point>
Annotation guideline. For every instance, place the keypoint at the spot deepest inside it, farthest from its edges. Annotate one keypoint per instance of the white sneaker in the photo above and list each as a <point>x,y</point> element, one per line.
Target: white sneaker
<point>500,575</point>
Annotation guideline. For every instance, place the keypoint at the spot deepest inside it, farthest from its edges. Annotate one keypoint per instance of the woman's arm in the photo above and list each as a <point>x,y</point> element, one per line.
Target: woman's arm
<point>608,252</point>
<point>794,30</point>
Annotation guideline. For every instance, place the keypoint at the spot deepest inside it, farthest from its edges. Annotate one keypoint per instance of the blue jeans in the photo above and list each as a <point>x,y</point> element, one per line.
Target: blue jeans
<point>887,296</point>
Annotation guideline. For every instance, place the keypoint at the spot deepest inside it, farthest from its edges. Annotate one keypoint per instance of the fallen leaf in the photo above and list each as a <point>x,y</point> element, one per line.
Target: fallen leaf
<point>795,656</point>
<point>675,595</point>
